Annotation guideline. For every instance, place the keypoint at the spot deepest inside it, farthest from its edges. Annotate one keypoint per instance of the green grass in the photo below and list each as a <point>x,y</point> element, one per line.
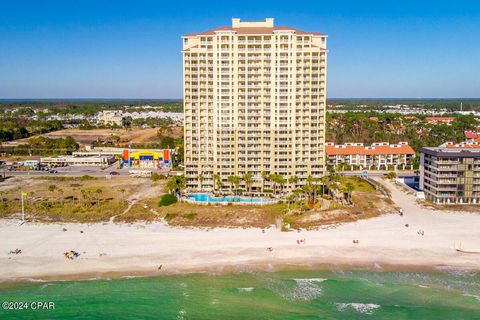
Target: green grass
<point>359,183</point>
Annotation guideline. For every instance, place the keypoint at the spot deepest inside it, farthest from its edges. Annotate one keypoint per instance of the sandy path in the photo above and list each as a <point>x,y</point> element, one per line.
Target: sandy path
<point>140,249</point>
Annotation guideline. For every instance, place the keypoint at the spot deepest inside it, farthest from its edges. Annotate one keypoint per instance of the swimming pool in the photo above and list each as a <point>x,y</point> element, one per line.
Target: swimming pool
<point>207,198</point>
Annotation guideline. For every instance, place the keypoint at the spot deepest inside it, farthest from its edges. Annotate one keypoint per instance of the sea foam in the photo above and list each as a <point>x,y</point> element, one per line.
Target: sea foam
<point>366,308</point>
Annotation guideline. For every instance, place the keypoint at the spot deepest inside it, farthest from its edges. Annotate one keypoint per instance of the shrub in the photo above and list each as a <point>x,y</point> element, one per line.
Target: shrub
<point>391,175</point>
<point>189,216</point>
<point>167,199</point>
<point>155,176</point>
<point>170,216</point>
<point>87,178</point>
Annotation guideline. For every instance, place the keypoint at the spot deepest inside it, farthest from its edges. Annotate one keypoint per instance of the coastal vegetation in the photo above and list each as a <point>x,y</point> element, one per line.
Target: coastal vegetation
<point>167,199</point>
<point>13,128</point>
<point>42,146</point>
<point>373,127</point>
<point>96,199</point>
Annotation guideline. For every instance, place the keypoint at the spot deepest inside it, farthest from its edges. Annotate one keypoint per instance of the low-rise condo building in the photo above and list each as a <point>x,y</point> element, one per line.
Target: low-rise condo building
<point>379,156</point>
<point>450,174</point>
<point>254,102</point>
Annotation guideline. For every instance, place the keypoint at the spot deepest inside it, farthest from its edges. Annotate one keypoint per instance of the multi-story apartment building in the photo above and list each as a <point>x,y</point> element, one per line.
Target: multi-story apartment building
<point>381,155</point>
<point>113,117</point>
<point>450,174</point>
<point>254,101</point>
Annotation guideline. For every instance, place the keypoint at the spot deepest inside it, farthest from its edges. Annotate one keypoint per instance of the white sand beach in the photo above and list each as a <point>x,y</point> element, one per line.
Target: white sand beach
<point>116,249</point>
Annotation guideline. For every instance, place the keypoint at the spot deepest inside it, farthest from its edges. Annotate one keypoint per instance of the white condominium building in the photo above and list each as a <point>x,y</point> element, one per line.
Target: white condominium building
<point>379,156</point>
<point>254,101</point>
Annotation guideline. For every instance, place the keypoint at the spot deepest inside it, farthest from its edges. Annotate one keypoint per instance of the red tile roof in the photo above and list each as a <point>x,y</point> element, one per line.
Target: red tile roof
<point>471,134</point>
<point>440,119</point>
<point>372,150</point>
<point>253,30</point>
<point>464,145</point>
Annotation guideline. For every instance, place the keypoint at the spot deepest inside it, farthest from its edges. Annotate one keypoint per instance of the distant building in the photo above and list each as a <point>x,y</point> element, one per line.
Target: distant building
<point>112,117</point>
<point>134,158</point>
<point>95,161</point>
<point>472,136</point>
<point>378,156</point>
<point>33,162</point>
<point>439,120</point>
<point>148,159</point>
<point>450,174</point>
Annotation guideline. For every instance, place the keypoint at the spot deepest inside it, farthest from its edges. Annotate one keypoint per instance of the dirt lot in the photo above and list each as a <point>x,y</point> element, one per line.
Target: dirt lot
<point>76,199</point>
<point>134,136</point>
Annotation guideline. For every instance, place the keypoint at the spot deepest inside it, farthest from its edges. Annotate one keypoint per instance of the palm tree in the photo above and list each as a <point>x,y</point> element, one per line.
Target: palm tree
<point>264,178</point>
<point>311,188</point>
<point>293,180</point>
<point>247,178</point>
<point>217,181</point>
<point>234,181</point>
<point>281,181</point>
<point>60,191</point>
<point>200,180</point>
<point>273,178</point>
<point>176,183</point>
<point>98,191</point>
<point>348,189</point>
<point>122,191</point>
<point>324,180</point>
<point>293,197</point>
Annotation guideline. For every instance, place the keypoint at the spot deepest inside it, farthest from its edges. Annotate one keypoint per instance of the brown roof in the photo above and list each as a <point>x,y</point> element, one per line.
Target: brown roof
<point>373,150</point>
<point>253,30</point>
<point>435,119</point>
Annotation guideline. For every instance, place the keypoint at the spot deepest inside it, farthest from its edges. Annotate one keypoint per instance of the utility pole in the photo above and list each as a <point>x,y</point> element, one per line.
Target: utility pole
<point>23,208</point>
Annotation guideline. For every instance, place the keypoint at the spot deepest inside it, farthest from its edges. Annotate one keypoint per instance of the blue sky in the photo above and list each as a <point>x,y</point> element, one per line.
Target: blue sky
<point>132,49</point>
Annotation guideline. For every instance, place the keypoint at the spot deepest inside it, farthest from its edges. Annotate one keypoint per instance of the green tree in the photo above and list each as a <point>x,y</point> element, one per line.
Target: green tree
<point>167,142</point>
<point>176,183</point>
<point>348,189</point>
<point>201,178</point>
<point>234,182</point>
<point>391,175</point>
<point>248,179</point>
<point>293,180</point>
<point>167,199</point>
<point>217,181</point>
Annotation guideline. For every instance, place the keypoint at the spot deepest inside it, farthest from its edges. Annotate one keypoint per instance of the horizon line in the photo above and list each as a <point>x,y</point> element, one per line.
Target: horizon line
<point>180,99</point>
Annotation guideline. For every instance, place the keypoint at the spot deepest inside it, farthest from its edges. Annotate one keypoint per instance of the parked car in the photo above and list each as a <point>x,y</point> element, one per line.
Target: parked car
<point>53,171</point>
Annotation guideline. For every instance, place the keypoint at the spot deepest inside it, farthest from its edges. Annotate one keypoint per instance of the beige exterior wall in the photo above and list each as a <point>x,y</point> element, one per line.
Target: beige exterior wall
<point>254,102</point>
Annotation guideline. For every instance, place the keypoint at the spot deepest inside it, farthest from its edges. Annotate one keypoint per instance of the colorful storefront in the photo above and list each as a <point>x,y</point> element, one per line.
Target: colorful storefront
<point>148,159</point>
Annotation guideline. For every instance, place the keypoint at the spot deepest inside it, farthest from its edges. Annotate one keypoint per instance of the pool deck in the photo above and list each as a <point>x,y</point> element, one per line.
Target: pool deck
<point>265,202</point>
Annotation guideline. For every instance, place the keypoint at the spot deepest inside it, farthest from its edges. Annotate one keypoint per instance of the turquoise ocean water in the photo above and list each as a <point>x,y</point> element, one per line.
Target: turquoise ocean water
<point>449,294</point>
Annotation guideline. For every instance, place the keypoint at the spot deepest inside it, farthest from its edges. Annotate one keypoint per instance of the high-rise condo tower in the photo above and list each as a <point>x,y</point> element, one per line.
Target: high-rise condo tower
<point>254,102</point>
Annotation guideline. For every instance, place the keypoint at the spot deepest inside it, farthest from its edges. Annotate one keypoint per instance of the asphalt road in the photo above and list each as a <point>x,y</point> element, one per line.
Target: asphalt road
<point>72,171</point>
